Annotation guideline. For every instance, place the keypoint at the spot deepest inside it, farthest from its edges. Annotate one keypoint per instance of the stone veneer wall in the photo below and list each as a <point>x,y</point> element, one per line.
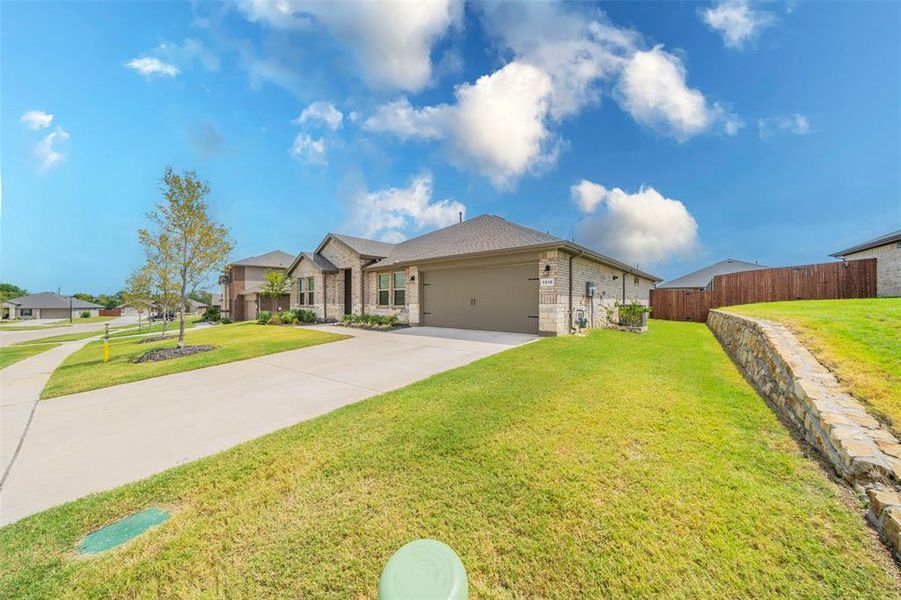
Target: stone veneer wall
<point>860,450</point>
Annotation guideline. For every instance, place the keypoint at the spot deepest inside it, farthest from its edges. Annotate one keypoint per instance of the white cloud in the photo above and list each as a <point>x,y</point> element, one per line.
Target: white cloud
<point>654,91</point>
<point>323,112</point>
<point>587,195</point>
<point>309,150</point>
<point>149,66</point>
<point>36,119</point>
<point>641,228</point>
<point>736,21</point>
<point>391,40</point>
<point>48,151</point>
<point>387,214</point>
<point>186,52</point>
<point>496,127</point>
<point>796,124</point>
<point>502,125</point>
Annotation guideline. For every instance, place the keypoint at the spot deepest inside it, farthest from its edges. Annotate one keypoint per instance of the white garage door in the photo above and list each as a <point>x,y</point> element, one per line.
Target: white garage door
<point>500,298</point>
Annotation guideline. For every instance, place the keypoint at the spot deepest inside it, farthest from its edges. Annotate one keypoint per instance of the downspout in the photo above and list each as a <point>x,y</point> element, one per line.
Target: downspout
<point>624,287</point>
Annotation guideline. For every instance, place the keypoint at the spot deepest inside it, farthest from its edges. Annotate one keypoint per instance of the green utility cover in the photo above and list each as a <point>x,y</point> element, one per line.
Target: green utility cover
<point>424,570</point>
<point>121,531</point>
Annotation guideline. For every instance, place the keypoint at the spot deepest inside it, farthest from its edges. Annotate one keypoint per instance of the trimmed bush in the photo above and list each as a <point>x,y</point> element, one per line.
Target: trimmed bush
<point>370,321</point>
<point>225,321</point>
<point>288,317</point>
<point>263,317</point>
<point>211,315</point>
<point>85,314</point>
<point>275,320</point>
<point>306,316</point>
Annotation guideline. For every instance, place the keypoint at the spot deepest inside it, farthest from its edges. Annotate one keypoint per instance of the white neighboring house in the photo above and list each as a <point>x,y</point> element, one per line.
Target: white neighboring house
<point>886,249</point>
<point>49,305</point>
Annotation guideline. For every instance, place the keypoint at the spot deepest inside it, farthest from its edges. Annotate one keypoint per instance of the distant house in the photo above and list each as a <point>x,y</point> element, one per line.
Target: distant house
<point>700,279</point>
<point>886,249</point>
<point>195,307</point>
<point>48,305</point>
<point>242,284</point>
<point>8,310</point>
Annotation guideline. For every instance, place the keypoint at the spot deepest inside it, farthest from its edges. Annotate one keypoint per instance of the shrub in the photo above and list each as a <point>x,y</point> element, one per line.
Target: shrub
<point>211,314</point>
<point>383,322</point>
<point>288,317</point>
<point>225,321</point>
<point>632,314</point>
<point>306,316</point>
<point>85,314</point>
<point>275,320</point>
<point>263,317</point>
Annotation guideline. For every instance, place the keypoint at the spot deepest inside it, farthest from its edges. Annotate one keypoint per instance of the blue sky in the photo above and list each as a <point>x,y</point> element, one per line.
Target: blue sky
<point>669,135</point>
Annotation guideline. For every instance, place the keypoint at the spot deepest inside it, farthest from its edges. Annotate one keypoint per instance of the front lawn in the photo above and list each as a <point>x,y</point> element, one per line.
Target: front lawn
<point>859,340</point>
<point>21,324</point>
<point>615,465</point>
<point>80,335</point>
<point>84,370</point>
<point>11,355</point>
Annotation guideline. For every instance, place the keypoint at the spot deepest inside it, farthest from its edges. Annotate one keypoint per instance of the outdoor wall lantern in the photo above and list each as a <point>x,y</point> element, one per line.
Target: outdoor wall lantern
<point>615,277</point>
<point>547,268</point>
<point>412,278</point>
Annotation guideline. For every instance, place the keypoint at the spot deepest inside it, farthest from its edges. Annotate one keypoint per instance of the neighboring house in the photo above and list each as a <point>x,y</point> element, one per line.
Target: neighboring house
<point>700,279</point>
<point>216,300</point>
<point>48,305</point>
<point>195,307</point>
<point>886,249</point>
<point>485,273</point>
<point>8,310</point>
<point>243,281</point>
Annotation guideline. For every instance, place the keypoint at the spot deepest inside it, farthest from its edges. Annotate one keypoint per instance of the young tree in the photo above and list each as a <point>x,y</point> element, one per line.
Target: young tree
<point>161,267</point>
<point>9,291</point>
<point>276,285</point>
<point>198,245</point>
<point>138,292</point>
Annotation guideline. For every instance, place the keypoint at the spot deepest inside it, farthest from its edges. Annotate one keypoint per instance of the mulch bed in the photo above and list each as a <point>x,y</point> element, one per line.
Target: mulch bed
<point>167,353</point>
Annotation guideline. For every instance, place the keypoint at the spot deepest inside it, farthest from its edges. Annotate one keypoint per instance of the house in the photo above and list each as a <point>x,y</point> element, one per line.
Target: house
<point>196,308</point>
<point>243,281</point>
<point>8,310</point>
<point>485,273</point>
<point>48,305</point>
<point>886,249</point>
<point>700,279</point>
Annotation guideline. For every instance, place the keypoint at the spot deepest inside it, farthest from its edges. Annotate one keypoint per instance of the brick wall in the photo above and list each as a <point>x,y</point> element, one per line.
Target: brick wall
<point>888,268</point>
<point>340,255</point>
<point>553,307</point>
<point>409,312</point>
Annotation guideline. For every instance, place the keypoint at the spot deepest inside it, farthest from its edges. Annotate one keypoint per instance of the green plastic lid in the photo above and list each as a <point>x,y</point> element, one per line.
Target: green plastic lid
<point>121,531</point>
<point>424,570</point>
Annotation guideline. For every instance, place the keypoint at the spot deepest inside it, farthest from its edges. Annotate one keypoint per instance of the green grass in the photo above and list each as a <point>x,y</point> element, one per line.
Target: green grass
<point>859,340</point>
<point>10,355</point>
<point>85,370</point>
<point>117,331</point>
<point>19,325</point>
<point>611,466</point>
<point>155,328</point>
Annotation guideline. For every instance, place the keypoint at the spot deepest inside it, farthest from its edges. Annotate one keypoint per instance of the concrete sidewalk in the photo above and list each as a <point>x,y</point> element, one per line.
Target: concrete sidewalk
<point>100,439</point>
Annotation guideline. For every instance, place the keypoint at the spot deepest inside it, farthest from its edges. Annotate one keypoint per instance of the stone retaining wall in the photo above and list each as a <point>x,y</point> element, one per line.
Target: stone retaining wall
<point>860,450</point>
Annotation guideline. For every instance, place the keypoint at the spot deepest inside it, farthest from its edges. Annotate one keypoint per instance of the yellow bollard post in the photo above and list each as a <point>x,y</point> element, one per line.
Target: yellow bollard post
<point>106,344</point>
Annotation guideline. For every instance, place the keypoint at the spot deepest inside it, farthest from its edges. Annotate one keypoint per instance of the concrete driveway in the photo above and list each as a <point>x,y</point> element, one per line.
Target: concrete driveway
<point>11,337</point>
<point>98,440</point>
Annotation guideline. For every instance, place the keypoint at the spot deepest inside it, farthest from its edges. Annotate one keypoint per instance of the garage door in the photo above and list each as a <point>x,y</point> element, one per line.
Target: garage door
<point>502,298</point>
<point>58,313</point>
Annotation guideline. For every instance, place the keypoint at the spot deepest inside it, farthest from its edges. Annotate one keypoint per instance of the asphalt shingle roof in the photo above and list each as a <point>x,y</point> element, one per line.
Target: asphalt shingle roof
<point>320,261</point>
<point>51,300</point>
<point>888,238</point>
<point>702,277</point>
<point>275,259</point>
<point>365,247</point>
<point>486,233</point>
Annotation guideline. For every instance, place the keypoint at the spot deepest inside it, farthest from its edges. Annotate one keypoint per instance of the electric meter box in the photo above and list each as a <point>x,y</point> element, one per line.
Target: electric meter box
<point>591,289</point>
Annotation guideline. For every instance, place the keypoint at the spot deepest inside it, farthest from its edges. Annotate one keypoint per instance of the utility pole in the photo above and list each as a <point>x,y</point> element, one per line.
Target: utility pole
<point>70,310</point>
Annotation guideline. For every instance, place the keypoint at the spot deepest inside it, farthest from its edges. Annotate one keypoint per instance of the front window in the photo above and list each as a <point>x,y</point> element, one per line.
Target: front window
<point>384,288</point>
<point>399,289</point>
<point>306,291</point>
<point>26,312</point>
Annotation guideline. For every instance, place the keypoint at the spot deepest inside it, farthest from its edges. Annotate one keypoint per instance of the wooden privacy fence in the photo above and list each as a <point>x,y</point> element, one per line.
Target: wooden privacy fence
<point>110,312</point>
<point>852,279</point>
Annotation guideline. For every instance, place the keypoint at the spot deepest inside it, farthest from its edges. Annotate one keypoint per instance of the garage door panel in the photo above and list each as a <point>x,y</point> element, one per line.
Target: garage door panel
<point>498,298</point>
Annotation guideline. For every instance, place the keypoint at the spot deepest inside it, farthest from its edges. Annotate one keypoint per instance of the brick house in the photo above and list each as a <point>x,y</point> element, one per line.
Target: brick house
<point>243,281</point>
<point>485,273</point>
<point>886,249</point>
